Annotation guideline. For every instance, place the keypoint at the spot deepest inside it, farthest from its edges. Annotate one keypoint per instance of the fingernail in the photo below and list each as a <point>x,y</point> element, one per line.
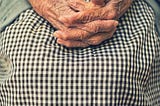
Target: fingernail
<point>57,34</point>
<point>116,23</point>
<point>59,41</point>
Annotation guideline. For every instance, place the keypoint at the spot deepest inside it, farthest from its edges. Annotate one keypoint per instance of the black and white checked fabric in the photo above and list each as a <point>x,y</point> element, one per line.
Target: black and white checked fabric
<point>122,71</point>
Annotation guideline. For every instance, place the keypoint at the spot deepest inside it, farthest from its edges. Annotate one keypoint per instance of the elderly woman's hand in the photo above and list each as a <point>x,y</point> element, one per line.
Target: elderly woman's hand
<point>107,9</point>
<point>113,9</point>
<point>51,10</point>
<point>92,33</point>
<point>82,35</point>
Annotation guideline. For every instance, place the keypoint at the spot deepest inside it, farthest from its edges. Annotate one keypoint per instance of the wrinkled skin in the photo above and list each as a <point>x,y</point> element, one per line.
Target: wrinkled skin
<point>53,9</point>
<point>89,31</point>
<point>113,9</point>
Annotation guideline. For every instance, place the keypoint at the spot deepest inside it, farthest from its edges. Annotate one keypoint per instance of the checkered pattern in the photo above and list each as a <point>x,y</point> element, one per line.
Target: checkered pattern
<point>122,71</point>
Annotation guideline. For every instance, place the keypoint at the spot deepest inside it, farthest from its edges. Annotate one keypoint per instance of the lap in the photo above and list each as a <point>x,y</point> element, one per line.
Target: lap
<point>116,72</point>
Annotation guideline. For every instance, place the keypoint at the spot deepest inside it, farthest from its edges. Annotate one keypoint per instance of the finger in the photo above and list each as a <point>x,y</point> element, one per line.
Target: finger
<point>112,10</point>
<point>86,16</point>
<point>52,17</point>
<point>99,38</point>
<point>119,7</point>
<point>94,40</point>
<point>81,17</point>
<point>77,5</point>
<point>71,43</point>
<point>98,2</point>
<point>124,7</point>
<point>99,26</point>
<point>87,30</point>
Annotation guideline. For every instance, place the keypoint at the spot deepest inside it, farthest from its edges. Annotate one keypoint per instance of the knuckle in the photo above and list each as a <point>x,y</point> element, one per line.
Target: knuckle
<point>86,18</point>
<point>96,26</point>
<point>112,14</point>
<point>81,35</point>
<point>89,16</point>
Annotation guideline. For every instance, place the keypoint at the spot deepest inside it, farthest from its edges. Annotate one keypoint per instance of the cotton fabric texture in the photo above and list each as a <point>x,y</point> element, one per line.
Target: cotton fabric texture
<point>122,71</point>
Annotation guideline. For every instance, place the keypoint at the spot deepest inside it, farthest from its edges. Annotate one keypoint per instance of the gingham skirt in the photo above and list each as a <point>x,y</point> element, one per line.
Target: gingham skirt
<point>122,71</point>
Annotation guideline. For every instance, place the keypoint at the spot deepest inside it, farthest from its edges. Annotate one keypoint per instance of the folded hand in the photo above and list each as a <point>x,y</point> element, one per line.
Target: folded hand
<point>112,9</point>
<point>89,33</point>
